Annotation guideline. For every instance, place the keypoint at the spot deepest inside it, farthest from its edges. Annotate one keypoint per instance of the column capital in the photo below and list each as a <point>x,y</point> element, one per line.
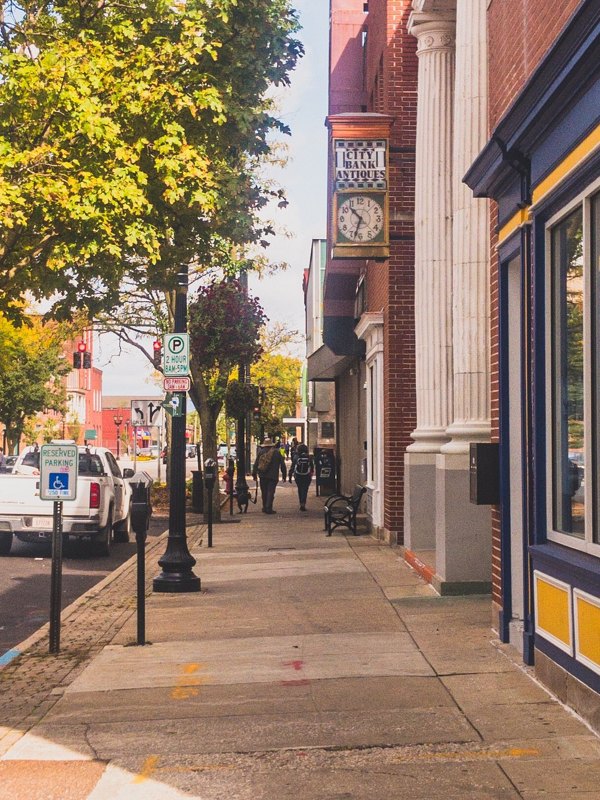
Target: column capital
<point>434,31</point>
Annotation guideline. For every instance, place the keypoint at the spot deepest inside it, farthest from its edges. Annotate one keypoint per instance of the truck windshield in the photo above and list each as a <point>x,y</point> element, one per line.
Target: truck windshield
<point>88,463</point>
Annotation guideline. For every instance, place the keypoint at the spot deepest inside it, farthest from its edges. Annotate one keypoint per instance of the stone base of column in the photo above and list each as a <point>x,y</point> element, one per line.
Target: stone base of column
<point>419,501</point>
<point>463,536</point>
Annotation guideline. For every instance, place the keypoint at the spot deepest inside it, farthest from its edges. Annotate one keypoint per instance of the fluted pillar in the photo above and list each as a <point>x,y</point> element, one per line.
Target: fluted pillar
<point>463,530</point>
<point>433,228</point>
<point>470,279</point>
<point>434,30</point>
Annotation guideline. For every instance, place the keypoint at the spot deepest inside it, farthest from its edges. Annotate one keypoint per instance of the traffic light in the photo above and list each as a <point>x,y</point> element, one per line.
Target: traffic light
<point>157,359</point>
<point>256,413</point>
<point>81,358</point>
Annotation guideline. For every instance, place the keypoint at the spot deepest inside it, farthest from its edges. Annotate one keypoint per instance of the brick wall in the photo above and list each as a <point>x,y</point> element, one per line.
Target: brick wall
<point>391,88</point>
<point>520,33</point>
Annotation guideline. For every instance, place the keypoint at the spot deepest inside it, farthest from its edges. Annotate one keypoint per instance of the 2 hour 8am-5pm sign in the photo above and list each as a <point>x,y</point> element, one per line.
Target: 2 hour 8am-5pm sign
<point>59,465</point>
<point>176,360</point>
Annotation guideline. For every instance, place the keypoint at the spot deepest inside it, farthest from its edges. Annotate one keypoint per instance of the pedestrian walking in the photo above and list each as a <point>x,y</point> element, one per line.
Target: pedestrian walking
<point>281,449</point>
<point>293,449</point>
<point>303,471</point>
<point>267,466</point>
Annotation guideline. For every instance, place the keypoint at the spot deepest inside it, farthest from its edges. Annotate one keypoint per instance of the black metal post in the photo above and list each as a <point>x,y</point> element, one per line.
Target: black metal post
<point>56,578</point>
<point>210,478</point>
<point>177,562</point>
<point>241,485</point>
<point>230,473</point>
<point>140,539</point>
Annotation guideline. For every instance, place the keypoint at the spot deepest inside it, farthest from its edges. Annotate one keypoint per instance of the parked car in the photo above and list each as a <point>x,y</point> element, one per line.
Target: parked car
<point>190,452</point>
<point>223,454</point>
<point>101,511</point>
<point>9,463</point>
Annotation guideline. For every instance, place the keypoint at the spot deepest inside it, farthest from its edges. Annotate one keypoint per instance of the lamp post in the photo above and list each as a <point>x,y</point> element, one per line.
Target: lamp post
<point>118,420</point>
<point>177,562</point>
<point>241,486</point>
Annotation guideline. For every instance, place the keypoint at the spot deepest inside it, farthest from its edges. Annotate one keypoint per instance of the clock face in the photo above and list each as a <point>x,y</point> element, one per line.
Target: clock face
<point>359,218</point>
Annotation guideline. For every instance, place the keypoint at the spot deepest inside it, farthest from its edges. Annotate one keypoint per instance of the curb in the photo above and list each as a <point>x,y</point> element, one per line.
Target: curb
<point>66,613</point>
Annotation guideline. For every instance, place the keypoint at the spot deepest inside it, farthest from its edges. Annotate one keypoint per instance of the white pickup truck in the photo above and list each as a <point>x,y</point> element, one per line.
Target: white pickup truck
<point>101,511</point>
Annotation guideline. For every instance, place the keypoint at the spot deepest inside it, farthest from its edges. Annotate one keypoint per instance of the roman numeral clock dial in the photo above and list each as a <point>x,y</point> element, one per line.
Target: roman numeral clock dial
<point>360,218</point>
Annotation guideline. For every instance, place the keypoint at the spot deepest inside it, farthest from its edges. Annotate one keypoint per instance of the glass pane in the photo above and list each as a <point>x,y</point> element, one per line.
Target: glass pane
<point>595,257</point>
<point>568,449</point>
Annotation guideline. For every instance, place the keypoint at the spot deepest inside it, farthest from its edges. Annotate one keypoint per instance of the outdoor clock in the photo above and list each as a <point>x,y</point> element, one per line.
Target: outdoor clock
<point>360,218</point>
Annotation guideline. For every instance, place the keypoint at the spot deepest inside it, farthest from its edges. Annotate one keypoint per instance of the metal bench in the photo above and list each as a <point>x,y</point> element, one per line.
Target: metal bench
<point>341,511</point>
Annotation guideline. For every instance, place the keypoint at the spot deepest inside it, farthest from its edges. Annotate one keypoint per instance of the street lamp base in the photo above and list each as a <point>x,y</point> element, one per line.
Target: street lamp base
<point>176,582</point>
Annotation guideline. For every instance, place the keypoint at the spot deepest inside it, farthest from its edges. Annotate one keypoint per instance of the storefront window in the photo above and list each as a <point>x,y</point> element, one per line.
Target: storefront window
<point>595,263</point>
<point>568,450</point>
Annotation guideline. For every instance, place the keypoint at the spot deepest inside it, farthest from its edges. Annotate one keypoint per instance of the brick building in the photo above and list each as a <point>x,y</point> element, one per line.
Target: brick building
<point>368,329</point>
<point>541,166</point>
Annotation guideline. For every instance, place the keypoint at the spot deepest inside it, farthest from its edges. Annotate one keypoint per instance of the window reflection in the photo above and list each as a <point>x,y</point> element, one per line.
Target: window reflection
<point>567,377</point>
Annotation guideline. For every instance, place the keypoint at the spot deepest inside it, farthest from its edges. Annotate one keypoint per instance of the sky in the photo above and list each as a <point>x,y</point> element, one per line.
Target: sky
<point>303,107</point>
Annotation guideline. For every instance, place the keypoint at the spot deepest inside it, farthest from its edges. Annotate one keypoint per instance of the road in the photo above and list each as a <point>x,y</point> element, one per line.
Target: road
<point>25,581</point>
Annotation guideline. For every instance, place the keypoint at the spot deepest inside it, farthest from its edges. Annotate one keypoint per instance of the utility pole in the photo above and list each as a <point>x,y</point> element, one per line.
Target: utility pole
<point>177,562</point>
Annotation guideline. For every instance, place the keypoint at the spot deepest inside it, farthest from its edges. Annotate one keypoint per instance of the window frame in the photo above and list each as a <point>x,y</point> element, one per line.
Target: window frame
<point>586,544</point>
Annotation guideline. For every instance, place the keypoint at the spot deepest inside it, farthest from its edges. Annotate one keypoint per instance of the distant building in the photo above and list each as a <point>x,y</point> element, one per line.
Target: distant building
<point>318,395</point>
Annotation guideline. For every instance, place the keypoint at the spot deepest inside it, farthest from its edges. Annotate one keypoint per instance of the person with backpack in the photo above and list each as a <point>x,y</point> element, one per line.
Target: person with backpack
<point>303,472</point>
<point>267,466</point>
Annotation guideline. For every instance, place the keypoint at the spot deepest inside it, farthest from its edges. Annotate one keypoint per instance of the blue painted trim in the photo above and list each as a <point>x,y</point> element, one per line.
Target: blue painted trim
<point>505,615</point>
<point>9,656</point>
<point>528,444</point>
<point>569,664</point>
<point>538,381</point>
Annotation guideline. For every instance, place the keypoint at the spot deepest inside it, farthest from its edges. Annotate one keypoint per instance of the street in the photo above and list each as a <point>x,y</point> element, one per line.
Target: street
<point>25,581</point>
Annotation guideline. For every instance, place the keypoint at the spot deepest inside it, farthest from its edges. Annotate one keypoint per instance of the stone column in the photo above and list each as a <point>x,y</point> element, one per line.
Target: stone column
<point>433,264</point>
<point>463,530</point>
<point>470,278</point>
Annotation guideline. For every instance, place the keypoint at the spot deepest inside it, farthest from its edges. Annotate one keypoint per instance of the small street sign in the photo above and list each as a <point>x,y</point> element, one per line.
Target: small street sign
<point>59,465</point>
<point>172,405</point>
<point>146,413</point>
<point>176,384</point>
<point>176,360</point>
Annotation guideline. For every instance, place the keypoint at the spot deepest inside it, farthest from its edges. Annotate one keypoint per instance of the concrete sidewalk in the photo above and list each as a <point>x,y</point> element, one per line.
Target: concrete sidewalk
<point>308,667</point>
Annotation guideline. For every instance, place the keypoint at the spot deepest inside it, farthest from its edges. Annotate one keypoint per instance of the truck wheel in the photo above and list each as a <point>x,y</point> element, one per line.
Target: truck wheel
<point>123,529</point>
<point>101,543</point>
<point>5,543</point>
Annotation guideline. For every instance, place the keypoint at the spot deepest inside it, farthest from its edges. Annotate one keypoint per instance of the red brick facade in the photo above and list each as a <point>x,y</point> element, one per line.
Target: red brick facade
<point>391,88</point>
<point>520,33</point>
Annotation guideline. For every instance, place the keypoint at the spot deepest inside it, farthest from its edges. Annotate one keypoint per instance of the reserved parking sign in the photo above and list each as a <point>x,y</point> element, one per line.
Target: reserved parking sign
<point>59,464</point>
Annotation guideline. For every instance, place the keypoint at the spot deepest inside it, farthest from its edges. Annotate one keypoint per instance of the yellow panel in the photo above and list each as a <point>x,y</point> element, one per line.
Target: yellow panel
<point>588,622</point>
<point>553,610</point>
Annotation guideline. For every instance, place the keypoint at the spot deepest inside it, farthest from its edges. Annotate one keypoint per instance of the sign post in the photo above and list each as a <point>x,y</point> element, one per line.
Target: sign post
<point>59,466</point>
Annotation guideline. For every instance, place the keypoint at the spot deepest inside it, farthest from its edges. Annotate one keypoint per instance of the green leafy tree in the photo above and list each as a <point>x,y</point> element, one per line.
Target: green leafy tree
<point>31,365</point>
<point>278,377</point>
<point>224,325</point>
<point>130,136</point>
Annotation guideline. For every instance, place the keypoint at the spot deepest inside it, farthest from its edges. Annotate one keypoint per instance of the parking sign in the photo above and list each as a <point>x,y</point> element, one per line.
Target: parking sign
<point>176,355</point>
<point>59,465</point>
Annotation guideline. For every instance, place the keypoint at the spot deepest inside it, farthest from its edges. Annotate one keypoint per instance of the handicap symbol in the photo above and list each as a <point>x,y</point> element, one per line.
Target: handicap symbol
<point>58,481</point>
